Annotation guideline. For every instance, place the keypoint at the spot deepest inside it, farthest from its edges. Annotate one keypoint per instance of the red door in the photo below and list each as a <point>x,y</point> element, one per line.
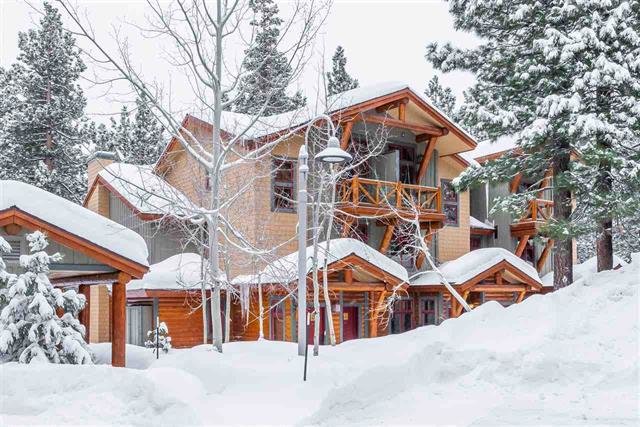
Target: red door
<point>311,327</point>
<point>350,323</point>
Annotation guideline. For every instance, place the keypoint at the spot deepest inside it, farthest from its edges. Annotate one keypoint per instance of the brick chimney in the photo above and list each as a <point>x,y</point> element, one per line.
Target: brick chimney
<point>98,201</point>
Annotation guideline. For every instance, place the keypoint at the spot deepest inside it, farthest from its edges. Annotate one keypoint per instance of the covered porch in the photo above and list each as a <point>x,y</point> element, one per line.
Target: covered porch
<point>95,250</point>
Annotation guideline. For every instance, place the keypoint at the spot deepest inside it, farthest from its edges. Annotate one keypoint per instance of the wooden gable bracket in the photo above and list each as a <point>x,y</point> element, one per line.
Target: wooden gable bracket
<point>522,244</point>
<point>400,104</point>
<point>426,158</point>
<point>544,255</point>
<point>515,182</point>
<point>386,238</point>
<point>346,134</point>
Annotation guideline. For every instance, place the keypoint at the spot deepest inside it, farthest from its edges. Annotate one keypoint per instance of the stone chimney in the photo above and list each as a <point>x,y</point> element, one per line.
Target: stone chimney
<point>98,161</point>
<point>98,200</point>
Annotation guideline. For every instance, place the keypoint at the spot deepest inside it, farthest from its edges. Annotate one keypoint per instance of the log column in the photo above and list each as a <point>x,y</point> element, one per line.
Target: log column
<point>85,315</point>
<point>119,320</point>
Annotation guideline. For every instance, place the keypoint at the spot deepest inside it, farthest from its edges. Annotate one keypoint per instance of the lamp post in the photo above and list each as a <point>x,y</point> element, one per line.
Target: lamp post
<point>332,154</point>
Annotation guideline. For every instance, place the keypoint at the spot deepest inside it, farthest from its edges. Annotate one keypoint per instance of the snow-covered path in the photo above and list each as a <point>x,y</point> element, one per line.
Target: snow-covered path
<point>570,357</point>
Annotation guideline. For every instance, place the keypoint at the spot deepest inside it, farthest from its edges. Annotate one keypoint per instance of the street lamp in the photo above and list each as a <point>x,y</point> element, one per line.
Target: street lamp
<point>333,154</point>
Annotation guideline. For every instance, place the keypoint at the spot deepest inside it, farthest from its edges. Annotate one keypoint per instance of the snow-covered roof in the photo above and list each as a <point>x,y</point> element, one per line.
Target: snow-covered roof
<point>285,269</point>
<point>473,263</point>
<point>74,219</point>
<point>178,272</point>
<point>476,223</point>
<point>585,269</point>
<point>232,122</point>
<point>147,192</point>
<point>488,147</point>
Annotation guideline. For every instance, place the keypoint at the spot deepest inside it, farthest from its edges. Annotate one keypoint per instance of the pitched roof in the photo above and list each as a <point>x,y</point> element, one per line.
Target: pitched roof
<point>285,269</point>
<point>473,264</point>
<point>146,193</point>
<point>476,223</point>
<point>178,272</point>
<point>61,215</point>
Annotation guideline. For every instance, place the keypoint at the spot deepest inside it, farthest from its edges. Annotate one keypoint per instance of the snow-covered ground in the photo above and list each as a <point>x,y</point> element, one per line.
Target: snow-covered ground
<point>570,357</point>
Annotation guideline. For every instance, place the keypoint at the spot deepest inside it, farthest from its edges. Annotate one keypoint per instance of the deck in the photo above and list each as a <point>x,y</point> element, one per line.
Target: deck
<point>536,215</point>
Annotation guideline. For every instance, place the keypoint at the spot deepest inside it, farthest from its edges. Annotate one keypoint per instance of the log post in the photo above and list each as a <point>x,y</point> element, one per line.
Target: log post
<point>386,238</point>
<point>119,320</point>
<point>426,158</point>
<point>544,255</point>
<point>453,312</point>
<point>85,315</point>
<point>521,245</point>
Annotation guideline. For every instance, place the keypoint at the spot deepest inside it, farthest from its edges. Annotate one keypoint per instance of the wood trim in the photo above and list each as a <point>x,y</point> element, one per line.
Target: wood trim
<point>501,267</point>
<point>544,255</point>
<point>426,158</point>
<point>14,215</point>
<point>481,231</point>
<point>414,127</point>
<point>391,105</point>
<point>522,244</point>
<point>100,278</point>
<point>402,111</point>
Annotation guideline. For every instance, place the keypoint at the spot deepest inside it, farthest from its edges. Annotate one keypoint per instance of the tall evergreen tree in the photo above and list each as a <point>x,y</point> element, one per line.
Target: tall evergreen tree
<point>442,97</point>
<point>338,80</point>
<point>39,134</point>
<point>268,72</point>
<point>543,70</point>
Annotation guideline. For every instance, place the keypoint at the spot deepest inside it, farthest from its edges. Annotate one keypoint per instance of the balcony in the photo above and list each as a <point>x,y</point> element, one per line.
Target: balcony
<point>384,199</point>
<point>538,213</point>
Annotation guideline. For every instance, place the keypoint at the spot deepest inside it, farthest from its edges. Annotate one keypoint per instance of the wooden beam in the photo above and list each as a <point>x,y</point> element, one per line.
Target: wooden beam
<point>402,111</point>
<point>414,127</point>
<point>459,307</point>
<point>12,229</point>
<point>346,226</point>
<point>454,307</point>
<point>426,158</point>
<point>85,315</point>
<point>515,182</point>
<point>386,238</point>
<point>346,134</point>
<point>119,321</point>
<point>498,278</point>
<point>521,296</point>
<point>546,181</point>
<point>391,105</point>
<point>428,237</point>
<point>522,244</point>
<point>348,276</point>
<point>502,288</point>
<point>376,313</point>
<point>544,255</point>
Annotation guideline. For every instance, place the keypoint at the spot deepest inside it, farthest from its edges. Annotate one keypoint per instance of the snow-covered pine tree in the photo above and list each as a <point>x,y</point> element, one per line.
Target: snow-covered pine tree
<point>147,136</point>
<point>162,341</point>
<point>5,277</point>
<point>441,96</point>
<point>264,86</point>
<point>98,137</point>
<point>30,329</point>
<point>537,69</point>
<point>338,80</point>
<point>39,135</point>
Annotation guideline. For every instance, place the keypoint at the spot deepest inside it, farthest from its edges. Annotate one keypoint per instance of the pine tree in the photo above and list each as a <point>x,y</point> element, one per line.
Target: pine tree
<point>147,136</point>
<point>162,341</point>
<point>542,69</point>
<point>268,73</point>
<point>5,277</point>
<point>442,97</point>
<point>338,80</point>
<point>30,329</point>
<point>39,134</point>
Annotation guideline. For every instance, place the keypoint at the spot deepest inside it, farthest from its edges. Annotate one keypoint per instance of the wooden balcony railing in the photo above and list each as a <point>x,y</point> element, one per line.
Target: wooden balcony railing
<point>373,197</point>
<point>538,210</point>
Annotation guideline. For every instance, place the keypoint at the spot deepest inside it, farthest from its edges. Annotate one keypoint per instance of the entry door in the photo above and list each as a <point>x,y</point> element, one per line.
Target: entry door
<point>311,327</point>
<point>350,323</point>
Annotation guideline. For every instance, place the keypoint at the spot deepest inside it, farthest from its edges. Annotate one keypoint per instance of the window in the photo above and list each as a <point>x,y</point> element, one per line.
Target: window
<point>407,162</point>
<point>401,320</point>
<point>450,203</point>
<point>282,185</point>
<point>428,313</point>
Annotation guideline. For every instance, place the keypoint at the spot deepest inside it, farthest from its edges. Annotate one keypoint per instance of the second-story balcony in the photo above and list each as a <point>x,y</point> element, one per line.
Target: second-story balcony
<point>538,213</point>
<point>364,197</point>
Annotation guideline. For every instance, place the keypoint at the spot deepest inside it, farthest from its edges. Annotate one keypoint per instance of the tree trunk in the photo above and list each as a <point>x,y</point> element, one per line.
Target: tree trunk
<point>227,317</point>
<point>260,312</point>
<point>604,245</point>
<point>563,247</point>
<point>604,242</point>
<point>203,295</point>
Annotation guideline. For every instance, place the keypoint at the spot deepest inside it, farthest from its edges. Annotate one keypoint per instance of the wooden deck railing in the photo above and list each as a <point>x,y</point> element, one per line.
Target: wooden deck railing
<point>364,192</point>
<point>538,210</point>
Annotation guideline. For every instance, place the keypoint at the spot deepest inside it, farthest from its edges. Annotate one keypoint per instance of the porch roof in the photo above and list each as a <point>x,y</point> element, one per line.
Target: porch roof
<point>178,272</point>
<point>73,225</point>
<point>473,264</point>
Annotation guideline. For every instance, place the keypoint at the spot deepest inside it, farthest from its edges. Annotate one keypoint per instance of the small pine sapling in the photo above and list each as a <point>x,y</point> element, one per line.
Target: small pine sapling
<point>162,341</point>
<point>30,328</point>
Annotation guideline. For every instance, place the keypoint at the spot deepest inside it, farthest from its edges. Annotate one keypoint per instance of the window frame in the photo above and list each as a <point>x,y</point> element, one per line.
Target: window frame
<point>275,183</point>
<point>448,182</point>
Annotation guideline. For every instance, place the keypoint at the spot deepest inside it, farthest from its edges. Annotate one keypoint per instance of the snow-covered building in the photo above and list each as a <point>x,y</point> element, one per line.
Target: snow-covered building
<point>418,152</point>
<point>95,251</point>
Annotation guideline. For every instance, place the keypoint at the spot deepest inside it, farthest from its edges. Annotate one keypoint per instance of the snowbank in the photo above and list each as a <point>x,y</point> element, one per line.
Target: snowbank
<point>178,272</point>
<point>285,269</point>
<point>565,358</point>
<point>136,357</point>
<point>473,263</point>
<point>75,219</point>
<point>145,191</point>
<point>585,269</point>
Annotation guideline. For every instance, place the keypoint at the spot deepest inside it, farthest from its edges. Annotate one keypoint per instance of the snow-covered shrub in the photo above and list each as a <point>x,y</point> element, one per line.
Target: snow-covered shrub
<point>30,328</point>
<point>163,340</point>
<point>5,277</point>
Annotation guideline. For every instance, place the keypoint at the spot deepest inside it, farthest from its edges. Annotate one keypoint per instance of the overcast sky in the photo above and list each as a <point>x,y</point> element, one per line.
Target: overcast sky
<point>383,40</point>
